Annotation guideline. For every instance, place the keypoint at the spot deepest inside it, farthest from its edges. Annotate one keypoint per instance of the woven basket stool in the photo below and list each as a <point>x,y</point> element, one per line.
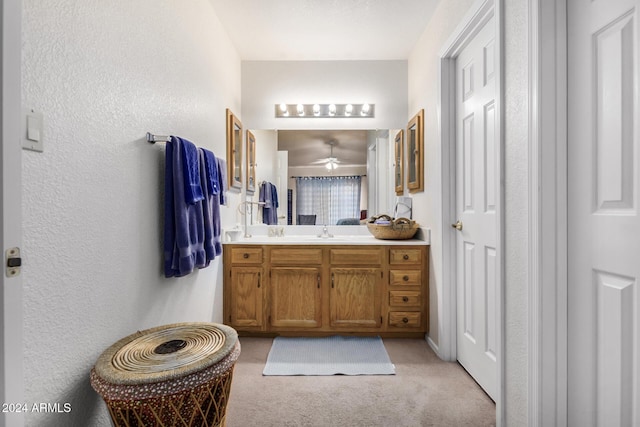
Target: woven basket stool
<point>173,375</point>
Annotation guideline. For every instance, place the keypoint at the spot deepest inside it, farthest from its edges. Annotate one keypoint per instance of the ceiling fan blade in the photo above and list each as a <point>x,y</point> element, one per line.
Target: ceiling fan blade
<point>317,162</point>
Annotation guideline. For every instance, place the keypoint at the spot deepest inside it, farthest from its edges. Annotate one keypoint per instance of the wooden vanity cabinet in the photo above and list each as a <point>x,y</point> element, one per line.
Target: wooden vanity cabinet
<point>406,295</point>
<point>326,289</point>
<point>295,288</point>
<point>244,298</point>
<point>355,297</point>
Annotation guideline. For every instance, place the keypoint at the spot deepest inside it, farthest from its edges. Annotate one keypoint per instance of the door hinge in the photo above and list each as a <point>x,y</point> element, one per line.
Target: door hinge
<point>13,262</point>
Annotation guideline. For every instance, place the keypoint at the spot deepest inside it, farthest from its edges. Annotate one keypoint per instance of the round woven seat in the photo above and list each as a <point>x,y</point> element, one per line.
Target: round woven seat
<point>173,375</point>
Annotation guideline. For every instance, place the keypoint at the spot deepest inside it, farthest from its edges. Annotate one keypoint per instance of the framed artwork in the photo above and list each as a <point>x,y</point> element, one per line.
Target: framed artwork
<point>415,154</point>
<point>234,150</point>
<point>398,162</point>
<point>251,163</point>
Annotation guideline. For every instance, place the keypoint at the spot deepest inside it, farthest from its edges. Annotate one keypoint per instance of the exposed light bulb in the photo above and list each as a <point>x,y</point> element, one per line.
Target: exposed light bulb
<point>316,109</point>
<point>332,109</point>
<point>348,109</point>
<point>300,109</point>
<point>365,109</point>
<point>331,165</point>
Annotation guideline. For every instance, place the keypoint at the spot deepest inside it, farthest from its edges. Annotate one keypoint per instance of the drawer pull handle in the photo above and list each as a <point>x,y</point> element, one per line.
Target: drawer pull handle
<point>405,278</point>
<point>405,299</point>
<point>245,256</point>
<point>405,257</point>
<point>405,320</point>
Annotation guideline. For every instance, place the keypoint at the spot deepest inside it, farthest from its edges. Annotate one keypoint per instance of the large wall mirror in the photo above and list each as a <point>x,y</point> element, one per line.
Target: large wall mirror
<point>234,150</point>
<point>318,173</point>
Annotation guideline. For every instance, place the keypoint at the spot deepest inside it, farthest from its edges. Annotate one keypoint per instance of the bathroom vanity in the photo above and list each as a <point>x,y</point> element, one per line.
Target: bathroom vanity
<point>306,285</point>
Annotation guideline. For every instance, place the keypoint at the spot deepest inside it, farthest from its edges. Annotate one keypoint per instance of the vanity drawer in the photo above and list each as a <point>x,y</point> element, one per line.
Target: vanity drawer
<point>252,255</point>
<point>356,256</point>
<point>405,256</point>
<point>405,277</point>
<point>296,256</point>
<point>405,299</point>
<point>405,319</point>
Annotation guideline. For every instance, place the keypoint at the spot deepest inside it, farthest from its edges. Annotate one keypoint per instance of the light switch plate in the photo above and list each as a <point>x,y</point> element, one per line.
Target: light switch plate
<point>32,135</point>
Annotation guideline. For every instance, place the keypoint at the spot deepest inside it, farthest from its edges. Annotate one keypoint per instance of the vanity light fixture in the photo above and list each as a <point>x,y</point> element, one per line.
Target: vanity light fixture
<point>348,109</point>
<point>325,110</point>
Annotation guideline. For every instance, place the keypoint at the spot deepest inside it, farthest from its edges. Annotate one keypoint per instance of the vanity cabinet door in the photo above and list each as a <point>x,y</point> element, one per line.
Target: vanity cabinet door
<point>295,297</point>
<point>246,298</point>
<point>355,297</point>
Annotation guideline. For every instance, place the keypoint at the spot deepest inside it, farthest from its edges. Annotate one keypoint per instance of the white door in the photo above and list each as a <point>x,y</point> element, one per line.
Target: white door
<point>477,169</point>
<point>604,226</point>
<point>11,330</point>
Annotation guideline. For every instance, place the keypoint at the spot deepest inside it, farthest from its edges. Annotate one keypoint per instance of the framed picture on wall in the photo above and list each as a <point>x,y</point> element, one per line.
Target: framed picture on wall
<point>234,150</point>
<point>398,162</point>
<point>415,154</point>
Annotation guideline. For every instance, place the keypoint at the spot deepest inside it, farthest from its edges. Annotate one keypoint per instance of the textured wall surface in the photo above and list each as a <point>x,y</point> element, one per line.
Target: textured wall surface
<point>103,73</point>
<point>516,115</point>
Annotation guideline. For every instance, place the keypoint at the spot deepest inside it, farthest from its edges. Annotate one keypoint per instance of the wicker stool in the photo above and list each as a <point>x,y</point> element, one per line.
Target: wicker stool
<point>173,375</point>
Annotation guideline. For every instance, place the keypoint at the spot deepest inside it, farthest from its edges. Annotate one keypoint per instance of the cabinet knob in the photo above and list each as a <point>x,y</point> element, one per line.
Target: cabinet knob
<point>405,257</point>
<point>405,278</point>
<point>405,320</point>
<point>405,299</point>
<point>245,256</point>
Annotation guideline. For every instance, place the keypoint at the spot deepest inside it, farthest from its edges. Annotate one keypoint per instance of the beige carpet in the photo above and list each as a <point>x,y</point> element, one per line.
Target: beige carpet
<point>424,392</point>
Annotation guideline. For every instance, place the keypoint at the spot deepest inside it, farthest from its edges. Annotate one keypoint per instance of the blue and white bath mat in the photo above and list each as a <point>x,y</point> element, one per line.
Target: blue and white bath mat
<point>333,355</point>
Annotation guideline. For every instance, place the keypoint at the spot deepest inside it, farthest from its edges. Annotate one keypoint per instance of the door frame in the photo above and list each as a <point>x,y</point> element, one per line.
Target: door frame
<point>547,234</point>
<point>11,325</point>
<point>477,16</point>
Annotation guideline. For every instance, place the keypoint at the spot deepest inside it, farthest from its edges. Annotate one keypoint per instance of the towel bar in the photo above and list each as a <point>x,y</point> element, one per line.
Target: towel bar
<point>152,139</point>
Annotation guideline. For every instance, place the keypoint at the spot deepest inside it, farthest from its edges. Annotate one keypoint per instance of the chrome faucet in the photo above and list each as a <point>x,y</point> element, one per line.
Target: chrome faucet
<point>325,232</point>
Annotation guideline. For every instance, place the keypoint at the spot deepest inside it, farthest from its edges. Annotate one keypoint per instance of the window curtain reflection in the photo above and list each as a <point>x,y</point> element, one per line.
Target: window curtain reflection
<point>329,198</point>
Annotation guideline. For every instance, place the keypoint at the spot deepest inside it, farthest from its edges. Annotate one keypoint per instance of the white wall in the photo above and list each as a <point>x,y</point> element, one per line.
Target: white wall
<point>104,73</point>
<point>516,134</point>
<point>266,83</point>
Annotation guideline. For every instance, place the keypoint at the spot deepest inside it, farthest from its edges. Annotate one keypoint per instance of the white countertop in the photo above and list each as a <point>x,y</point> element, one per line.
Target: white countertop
<point>308,235</point>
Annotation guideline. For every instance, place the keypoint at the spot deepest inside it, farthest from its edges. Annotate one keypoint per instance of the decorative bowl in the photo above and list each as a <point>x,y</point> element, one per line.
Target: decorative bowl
<point>384,227</point>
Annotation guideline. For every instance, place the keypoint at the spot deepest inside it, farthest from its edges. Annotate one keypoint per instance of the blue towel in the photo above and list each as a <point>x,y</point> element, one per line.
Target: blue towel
<point>169,220</point>
<point>211,208</point>
<point>269,195</point>
<point>211,167</point>
<point>222,180</point>
<point>184,226</point>
<point>191,170</point>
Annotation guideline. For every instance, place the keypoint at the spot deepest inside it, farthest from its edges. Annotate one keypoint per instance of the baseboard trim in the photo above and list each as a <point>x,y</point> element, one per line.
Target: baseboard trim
<point>433,346</point>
